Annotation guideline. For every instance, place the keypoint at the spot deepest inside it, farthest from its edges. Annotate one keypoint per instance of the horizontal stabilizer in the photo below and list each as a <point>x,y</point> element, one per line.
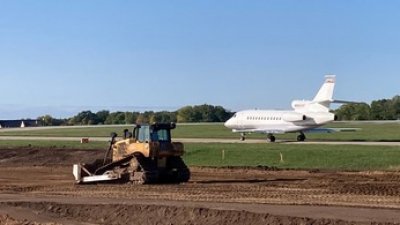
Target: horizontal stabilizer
<point>336,101</point>
<point>346,102</point>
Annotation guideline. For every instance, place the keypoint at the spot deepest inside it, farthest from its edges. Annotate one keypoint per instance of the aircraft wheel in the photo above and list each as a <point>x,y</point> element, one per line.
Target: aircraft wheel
<point>301,137</point>
<point>271,138</point>
<point>242,137</point>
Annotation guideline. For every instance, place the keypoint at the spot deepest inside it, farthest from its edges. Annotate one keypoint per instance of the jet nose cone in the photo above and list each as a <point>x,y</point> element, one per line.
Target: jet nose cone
<point>228,123</point>
<point>232,122</point>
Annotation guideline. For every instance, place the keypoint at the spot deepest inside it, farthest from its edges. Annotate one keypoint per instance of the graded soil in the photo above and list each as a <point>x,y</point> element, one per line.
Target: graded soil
<point>37,187</point>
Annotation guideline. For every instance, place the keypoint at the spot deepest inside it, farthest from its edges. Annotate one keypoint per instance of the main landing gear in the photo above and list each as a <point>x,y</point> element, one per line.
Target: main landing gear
<point>271,138</point>
<point>301,137</point>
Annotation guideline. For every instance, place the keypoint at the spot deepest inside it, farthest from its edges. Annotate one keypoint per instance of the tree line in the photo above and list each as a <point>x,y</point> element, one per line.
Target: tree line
<point>383,109</point>
<point>198,113</point>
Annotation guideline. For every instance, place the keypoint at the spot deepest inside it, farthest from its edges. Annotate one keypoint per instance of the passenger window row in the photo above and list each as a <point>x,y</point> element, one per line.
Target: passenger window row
<point>263,118</point>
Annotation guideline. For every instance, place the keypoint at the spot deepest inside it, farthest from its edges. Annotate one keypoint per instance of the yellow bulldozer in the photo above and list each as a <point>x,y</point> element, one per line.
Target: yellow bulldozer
<point>145,156</point>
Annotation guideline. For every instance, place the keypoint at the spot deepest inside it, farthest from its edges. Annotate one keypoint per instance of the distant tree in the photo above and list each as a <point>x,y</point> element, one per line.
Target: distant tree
<point>362,112</point>
<point>130,117</point>
<point>222,114</point>
<point>84,118</point>
<point>145,117</point>
<point>46,120</point>
<point>185,114</point>
<point>202,113</point>
<point>59,122</point>
<point>119,118</point>
<point>163,117</point>
<point>381,110</point>
<point>116,118</point>
<point>396,107</point>
<point>141,119</point>
<point>377,109</point>
<point>148,115</point>
<point>353,112</point>
<point>102,116</point>
<point>109,119</point>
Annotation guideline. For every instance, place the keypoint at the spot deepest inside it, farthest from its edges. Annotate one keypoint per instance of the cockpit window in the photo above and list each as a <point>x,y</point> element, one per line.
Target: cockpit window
<point>234,115</point>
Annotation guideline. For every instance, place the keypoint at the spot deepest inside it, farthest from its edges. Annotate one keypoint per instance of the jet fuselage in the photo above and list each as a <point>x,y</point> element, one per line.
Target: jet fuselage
<point>275,122</point>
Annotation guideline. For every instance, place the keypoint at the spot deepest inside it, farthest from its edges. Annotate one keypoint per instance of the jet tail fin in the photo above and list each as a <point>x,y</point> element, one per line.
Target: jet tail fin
<point>325,93</point>
<point>322,101</point>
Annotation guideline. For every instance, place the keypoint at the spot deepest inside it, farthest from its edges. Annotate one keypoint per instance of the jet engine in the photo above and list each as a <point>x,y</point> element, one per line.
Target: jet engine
<point>300,104</point>
<point>293,117</point>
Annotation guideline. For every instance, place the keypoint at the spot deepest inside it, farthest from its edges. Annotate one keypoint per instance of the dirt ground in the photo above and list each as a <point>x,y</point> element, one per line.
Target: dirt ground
<point>36,187</point>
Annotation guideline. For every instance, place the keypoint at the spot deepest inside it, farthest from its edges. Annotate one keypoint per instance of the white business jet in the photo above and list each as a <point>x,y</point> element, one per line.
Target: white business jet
<point>306,116</point>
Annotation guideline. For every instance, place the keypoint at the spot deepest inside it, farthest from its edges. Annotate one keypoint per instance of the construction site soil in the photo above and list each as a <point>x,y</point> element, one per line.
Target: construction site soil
<point>37,187</point>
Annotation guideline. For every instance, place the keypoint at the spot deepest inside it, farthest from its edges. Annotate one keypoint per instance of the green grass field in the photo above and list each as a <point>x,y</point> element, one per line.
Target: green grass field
<point>67,132</point>
<point>52,144</point>
<point>325,157</point>
<point>335,157</point>
<point>368,132</point>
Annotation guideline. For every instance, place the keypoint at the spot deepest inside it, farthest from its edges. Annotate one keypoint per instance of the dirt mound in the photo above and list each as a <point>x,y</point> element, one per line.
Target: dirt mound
<point>47,156</point>
<point>152,214</point>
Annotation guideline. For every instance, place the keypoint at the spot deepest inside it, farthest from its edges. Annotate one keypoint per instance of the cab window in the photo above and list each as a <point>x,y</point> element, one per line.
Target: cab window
<point>144,134</point>
<point>161,135</point>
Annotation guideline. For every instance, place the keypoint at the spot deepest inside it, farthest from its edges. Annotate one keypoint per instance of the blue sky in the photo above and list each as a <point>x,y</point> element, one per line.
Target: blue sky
<point>60,57</point>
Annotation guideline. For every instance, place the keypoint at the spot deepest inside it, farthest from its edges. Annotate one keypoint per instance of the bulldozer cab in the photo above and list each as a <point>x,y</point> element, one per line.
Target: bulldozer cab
<point>153,133</point>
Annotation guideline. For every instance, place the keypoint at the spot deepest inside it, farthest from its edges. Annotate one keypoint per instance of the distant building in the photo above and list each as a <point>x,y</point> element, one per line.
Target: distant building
<point>19,123</point>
